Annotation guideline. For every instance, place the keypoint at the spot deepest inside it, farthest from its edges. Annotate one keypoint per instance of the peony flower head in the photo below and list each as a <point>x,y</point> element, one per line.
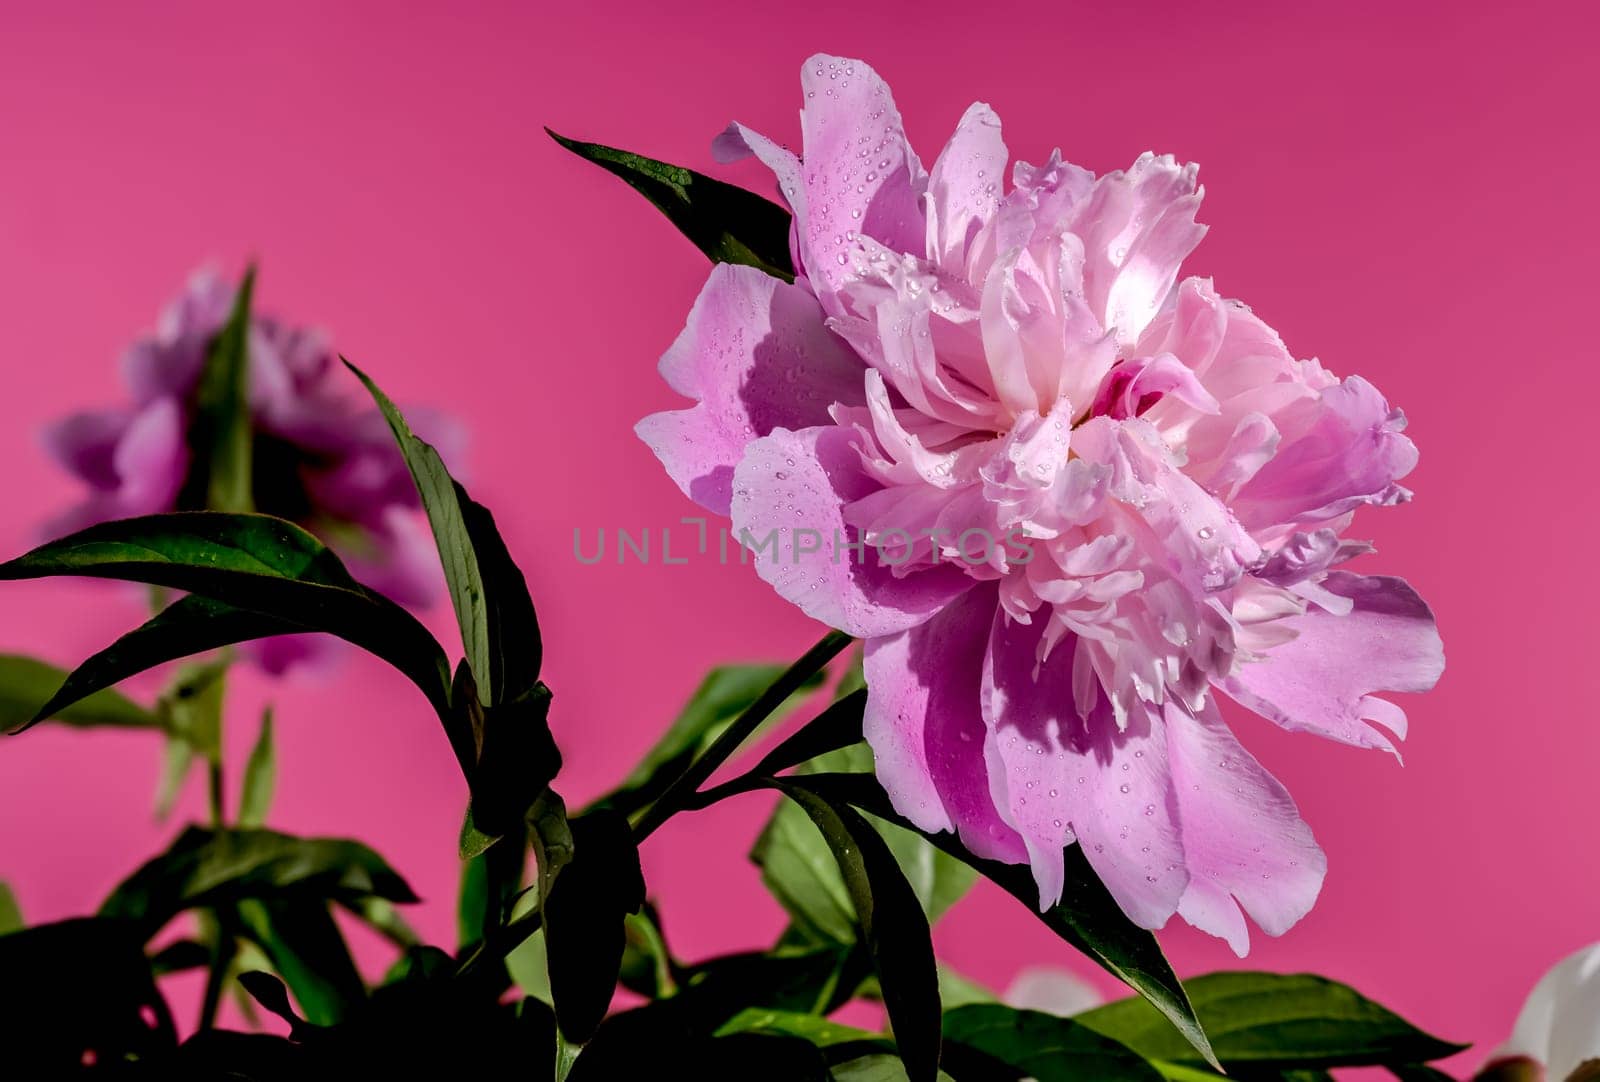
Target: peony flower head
<point>318,459</point>
<point>1065,496</point>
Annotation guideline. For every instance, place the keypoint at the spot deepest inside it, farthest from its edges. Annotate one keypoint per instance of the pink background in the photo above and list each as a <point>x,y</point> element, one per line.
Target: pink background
<point>1409,195</point>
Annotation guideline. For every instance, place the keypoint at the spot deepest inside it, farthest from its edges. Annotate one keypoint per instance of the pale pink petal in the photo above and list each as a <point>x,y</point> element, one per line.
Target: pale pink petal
<point>788,495</point>
<point>1339,451</point>
<point>964,186</point>
<point>857,175</point>
<point>152,459</point>
<point>1322,681</point>
<point>1137,227</point>
<point>757,356</point>
<point>85,444</point>
<point>926,733</point>
<point>1243,839</point>
<point>1055,775</point>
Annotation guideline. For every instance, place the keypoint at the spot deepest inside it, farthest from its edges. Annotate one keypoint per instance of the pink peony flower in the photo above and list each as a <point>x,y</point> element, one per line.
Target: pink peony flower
<point>320,459</point>
<point>1098,495</point>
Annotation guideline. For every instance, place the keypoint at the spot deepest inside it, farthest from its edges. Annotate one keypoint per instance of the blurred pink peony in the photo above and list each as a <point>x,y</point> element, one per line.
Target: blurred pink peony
<point>1098,493</point>
<point>320,459</point>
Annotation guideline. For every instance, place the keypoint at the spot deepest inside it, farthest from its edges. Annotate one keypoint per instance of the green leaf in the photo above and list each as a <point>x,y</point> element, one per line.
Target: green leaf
<point>518,758</point>
<point>725,694</point>
<point>728,224</point>
<point>879,1067</point>
<point>260,773</point>
<point>381,916</point>
<point>176,759</point>
<point>529,967</point>
<point>252,562</point>
<point>191,625</point>
<point>207,869</point>
<point>958,991</point>
<point>220,435</point>
<point>799,870</point>
<point>836,728</point>
<point>27,685</point>
<point>654,1042</point>
<point>1087,917</point>
<point>1045,1047</point>
<point>1274,1020</point>
<point>814,979</point>
<point>583,920</point>
<point>10,912</point>
<point>306,948</point>
<point>891,923</point>
<point>446,516</point>
<point>819,1031</point>
<point>647,966</point>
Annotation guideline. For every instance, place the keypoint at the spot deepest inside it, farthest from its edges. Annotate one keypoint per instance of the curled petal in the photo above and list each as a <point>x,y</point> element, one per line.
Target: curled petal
<point>1322,681</point>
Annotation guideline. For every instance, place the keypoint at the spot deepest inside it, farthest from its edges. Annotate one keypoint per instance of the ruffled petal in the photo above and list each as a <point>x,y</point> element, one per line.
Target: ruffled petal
<point>756,354</point>
<point>789,491</point>
<point>925,729</point>
<point>1243,839</point>
<point>1322,681</point>
<point>1339,451</point>
<point>152,459</point>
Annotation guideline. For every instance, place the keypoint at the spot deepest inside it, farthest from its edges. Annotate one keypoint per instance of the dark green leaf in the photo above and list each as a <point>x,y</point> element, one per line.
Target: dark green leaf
<point>260,773</point>
<point>180,955</point>
<point>728,224</point>
<point>51,1025</point>
<point>270,992</point>
<point>836,728</point>
<point>1087,917</point>
<point>892,925</point>
<point>583,920</point>
<point>518,760</point>
<point>381,916</point>
<point>207,869</point>
<point>656,1042</point>
<point>647,966</point>
<point>191,625</point>
<point>306,948</point>
<point>1274,1020</point>
<point>10,913</point>
<point>725,694</point>
<point>805,979</point>
<point>819,1031</point>
<point>251,562</point>
<point>27,685</point>
<point>220,435</point>
<point>799,870</point>
<point>879,1067</point>
<point>460,559</point>
<point>1045,1047</point>
<point>515,645</point>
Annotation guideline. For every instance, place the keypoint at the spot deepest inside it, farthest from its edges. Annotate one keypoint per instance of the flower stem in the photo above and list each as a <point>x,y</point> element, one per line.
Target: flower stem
<point>680,794</point>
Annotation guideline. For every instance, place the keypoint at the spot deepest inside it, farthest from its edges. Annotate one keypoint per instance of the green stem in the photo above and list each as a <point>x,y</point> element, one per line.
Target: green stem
<point>681,793</point>
<point>219,811</point>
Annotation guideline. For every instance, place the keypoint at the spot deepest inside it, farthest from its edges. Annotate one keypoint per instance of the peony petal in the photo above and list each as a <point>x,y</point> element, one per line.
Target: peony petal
<point>1051,990</point>
<point>152,459</point>
<point>926,733</point>
<point>1243,837</point>
<point>1055,776</point>
<point>1339,451</point>
<point>85,444</point>
<point>1322,680</point>
<point>756,354</point>
<point>964,187</point>
<point>789,492</point>
<point>858,175</point>
<point>1137,228</point>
